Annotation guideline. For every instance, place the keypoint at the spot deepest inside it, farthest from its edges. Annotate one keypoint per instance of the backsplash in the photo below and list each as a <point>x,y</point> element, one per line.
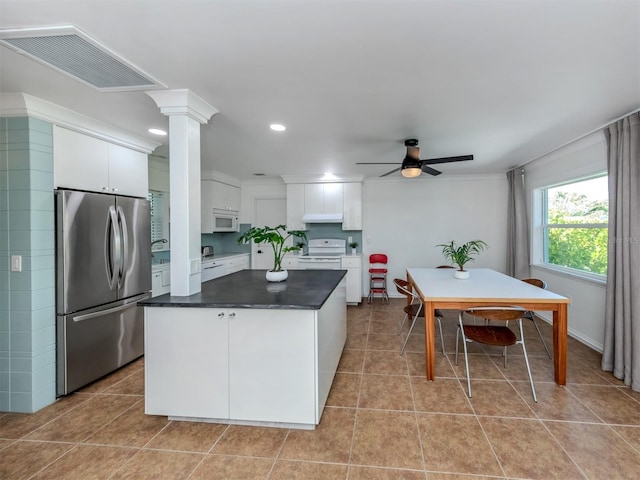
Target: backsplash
<point>228,242</point>
<point>163,256</point>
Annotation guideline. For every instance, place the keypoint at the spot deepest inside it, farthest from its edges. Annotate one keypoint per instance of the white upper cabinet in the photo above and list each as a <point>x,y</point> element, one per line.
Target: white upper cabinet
<point>217,195</point>
<point>352,206</point>
<point>323,198</point>
<point>88,163</point>
<point>295,206</point>
<point>221,196</point>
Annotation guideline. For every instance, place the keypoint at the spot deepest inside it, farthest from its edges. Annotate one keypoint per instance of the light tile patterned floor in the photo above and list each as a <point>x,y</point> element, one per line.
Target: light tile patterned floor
<point>383,420</point>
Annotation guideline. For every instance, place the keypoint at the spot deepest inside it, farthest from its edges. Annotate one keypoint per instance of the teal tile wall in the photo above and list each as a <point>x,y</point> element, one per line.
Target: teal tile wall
<point>226,242</point>
<point>27,298</point>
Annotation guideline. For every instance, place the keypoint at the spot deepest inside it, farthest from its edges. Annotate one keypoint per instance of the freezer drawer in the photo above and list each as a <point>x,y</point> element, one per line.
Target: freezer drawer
<point>95,342</point>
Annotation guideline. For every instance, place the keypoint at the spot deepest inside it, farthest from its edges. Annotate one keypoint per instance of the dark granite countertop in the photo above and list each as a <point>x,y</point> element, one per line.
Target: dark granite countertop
<point>304,290</point>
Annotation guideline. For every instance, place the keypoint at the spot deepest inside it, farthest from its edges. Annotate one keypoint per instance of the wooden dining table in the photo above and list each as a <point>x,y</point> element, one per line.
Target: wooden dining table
<point>485,287</point>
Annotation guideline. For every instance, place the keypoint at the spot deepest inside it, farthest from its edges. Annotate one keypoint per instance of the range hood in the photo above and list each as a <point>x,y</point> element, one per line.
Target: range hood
<point>322,218</point>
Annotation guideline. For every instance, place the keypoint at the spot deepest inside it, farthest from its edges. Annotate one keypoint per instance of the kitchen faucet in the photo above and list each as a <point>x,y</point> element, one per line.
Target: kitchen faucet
<point>162,240</point>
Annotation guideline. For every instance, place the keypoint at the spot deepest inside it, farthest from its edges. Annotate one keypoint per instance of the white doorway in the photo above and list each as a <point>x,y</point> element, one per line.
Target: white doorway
<point>271,212</point>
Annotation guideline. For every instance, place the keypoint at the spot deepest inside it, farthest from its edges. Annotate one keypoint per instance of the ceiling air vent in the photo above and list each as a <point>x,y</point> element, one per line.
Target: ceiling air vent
<point>74,53</point>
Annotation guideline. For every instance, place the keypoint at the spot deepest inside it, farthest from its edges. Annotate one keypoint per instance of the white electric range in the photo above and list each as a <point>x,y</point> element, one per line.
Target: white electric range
<point>323,254</point>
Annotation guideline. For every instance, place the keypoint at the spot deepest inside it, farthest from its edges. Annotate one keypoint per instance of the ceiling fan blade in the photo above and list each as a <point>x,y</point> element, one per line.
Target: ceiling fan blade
<point>430,171</point>
<point>433,161</point>
<point>390,172</point>
<point>377,163</point>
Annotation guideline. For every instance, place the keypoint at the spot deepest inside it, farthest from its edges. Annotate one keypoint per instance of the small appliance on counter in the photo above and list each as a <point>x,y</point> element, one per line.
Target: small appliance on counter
<point>207,251</point>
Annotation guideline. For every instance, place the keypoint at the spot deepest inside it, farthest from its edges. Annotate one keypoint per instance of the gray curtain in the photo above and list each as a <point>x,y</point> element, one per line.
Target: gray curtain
<point>517,226</point>
<point>622,316</point>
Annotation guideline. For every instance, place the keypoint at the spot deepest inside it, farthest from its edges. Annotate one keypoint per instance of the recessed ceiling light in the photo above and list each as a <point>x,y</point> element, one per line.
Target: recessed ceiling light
<point>157,131</point>
<point>277,127</point>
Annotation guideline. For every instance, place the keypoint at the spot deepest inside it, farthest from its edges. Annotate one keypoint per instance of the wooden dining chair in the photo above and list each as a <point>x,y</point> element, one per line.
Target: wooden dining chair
<point>415,311</point>
<point>530,315</point>
<point>492,334</point>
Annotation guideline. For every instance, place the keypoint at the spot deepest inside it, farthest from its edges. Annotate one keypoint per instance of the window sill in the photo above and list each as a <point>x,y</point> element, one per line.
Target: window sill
<point>583,277</point>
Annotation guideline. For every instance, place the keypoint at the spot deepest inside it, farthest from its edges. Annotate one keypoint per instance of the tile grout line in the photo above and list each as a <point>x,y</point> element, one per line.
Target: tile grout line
<point>355,417</point>
<point>415,418</point>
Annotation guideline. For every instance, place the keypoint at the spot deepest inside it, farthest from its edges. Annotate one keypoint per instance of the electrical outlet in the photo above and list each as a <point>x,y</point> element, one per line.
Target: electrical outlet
<point>16,263</point>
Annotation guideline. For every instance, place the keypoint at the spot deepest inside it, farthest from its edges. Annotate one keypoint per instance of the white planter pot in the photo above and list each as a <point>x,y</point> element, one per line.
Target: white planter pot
<point>461,274</point>
<point>277,276</point>
<point>354,251</point>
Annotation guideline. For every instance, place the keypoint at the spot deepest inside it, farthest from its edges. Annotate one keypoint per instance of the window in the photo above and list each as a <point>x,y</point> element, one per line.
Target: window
<point>574,225</point>
<point>159,218</point>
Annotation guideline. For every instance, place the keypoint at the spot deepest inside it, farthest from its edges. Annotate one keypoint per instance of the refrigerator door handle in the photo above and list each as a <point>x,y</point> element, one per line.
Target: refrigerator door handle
<point>124,260</point>
<point>88,316</point>
<point>113,248</point>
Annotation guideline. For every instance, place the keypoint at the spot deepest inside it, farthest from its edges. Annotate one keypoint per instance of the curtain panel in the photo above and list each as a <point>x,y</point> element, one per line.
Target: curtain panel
<point>517,226</point>
<point>621,353</point>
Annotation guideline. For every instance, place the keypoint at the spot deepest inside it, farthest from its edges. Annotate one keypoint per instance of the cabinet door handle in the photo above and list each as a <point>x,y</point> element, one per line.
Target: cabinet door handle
<point>221,314</point>
<point>232,315</point>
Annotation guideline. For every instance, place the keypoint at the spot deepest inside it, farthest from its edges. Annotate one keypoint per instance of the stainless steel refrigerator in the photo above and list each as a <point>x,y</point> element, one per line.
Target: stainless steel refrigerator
<point>103,268</point>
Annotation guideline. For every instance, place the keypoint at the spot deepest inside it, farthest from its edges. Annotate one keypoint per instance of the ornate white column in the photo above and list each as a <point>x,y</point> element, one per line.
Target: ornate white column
<point>186,113</point>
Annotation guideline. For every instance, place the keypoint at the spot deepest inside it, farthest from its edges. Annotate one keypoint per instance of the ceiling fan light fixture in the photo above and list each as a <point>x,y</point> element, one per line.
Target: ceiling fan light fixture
<point>410,167</point>
<point>411,172</point>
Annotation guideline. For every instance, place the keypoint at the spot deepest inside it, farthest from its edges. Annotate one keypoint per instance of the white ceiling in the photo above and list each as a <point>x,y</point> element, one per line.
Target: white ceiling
<point>507,81</point>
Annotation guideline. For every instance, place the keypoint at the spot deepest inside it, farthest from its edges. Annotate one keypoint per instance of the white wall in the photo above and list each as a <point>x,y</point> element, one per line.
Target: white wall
<point>252,190</point>
<point>407,218</point>
<point>581,158</point>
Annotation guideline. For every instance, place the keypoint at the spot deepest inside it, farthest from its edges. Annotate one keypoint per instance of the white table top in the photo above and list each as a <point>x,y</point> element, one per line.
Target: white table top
<point>438,284</point>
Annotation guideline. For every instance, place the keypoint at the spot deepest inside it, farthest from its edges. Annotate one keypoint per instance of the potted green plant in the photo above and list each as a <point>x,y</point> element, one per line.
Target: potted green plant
<point>461,255</point>
<point>353,246</point>
<point>276,237</point>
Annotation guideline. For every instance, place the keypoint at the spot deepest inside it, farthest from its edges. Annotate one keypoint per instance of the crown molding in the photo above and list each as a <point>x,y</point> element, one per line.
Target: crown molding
<point>183,102</point>
<point>22,104</point>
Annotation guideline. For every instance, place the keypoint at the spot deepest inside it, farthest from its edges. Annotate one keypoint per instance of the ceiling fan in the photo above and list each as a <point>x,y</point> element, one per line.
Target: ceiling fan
<point>412,166</point>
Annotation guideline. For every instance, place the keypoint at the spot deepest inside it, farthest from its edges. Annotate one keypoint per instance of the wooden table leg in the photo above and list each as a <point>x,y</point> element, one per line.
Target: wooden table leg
<point>560,344</point>
<point>429,339</point>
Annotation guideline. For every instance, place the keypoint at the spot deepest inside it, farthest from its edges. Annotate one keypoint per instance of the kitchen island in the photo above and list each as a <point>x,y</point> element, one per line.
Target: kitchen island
<point>246,351</point>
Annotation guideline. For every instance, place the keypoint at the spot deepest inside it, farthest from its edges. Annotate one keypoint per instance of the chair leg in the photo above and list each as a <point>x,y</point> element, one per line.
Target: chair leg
<point>404,319</point>
<point>406,340</point>
<point>441,336</point>
<point>526,361</point>
<point>466,353</point>
<point>535,324</point>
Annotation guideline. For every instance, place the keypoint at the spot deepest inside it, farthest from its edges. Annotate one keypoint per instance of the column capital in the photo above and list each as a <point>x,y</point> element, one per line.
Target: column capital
<point>182,102</point>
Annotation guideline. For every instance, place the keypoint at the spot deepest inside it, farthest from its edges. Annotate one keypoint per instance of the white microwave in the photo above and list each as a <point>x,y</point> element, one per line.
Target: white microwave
<point>225,222</point>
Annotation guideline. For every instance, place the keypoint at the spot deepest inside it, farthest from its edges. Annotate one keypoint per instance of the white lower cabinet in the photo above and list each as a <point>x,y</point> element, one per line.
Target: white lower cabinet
<point>160,280</point>
<point>353,266</point>
<point>187,362</point>
<point>242,365</point>
<point>265,369</point>
<point>290,262</point>
<point>237,263</point>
